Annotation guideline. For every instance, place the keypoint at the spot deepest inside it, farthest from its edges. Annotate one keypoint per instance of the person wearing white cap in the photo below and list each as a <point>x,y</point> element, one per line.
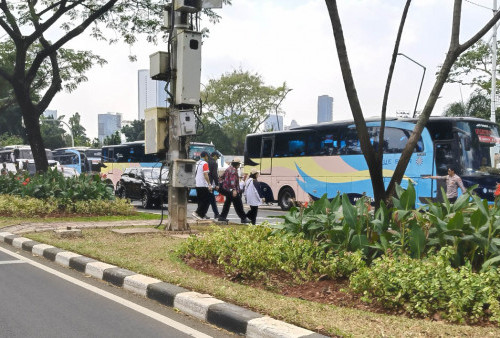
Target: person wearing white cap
<point>232,191</point>
<point>252,195</point>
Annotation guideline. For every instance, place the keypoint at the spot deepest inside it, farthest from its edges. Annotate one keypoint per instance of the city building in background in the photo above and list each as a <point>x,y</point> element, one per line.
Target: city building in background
<point>50,113</point>
<point>325,108</point>
<point>273,123</point>
<point>151,93</point>
<point>108,124</point>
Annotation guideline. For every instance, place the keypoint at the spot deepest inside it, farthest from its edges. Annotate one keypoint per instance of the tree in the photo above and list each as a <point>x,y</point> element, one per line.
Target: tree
<point>213,132</point>
<point>79,135</point>
<point>134,132</point>
<point>478,105</point>
<point>112,139</point>
<point>38,62</point>
<point>239,103</point>
<point>374,158</point>
<point>8,139</point>
<point>52,132</point>
<point>473,67</point>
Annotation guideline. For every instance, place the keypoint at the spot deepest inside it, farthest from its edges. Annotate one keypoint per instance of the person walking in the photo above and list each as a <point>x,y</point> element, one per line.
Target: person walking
<point>203,187</point>
<point>453,182</point>
<point>213,176</point>
<point>231,190</point>
<point>252,195</point>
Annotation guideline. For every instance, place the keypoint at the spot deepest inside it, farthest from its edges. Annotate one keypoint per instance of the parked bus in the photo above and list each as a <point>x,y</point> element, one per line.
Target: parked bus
<point>116,158</point>
<point>22,157</point>
<point>304,163</point>
<point>82,159</point>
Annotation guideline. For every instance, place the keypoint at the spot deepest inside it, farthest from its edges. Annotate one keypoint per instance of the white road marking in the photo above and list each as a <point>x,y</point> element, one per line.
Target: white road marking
<point>11,262</point>
<point>156,316</point>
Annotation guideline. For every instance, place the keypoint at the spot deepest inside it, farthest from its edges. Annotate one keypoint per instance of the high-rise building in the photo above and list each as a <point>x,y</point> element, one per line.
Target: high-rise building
<point>325,108</point>
<point>151,93</point>
<point>50,113</point>
<point>273,123</point>
<point>108,124</point>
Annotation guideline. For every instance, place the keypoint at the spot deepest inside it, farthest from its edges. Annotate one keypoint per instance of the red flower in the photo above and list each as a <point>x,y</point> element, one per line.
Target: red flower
<point>27,180</point>
<point>497,192</point>
<point>25,183</point>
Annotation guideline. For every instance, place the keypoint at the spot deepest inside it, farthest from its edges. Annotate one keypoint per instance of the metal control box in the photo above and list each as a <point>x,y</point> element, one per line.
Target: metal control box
<point>187,6</point>
<point>159,64</point>
<point>183,173</point>
<point>187,123</point>
<point>155,129</point>
<point>187,89</point>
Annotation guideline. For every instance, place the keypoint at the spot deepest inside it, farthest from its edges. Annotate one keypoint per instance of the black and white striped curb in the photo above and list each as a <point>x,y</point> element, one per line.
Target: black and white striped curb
<point>202,306</point>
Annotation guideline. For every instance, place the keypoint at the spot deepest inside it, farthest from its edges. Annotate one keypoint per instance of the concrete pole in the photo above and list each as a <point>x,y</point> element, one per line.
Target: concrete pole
<point>177,197</point>
<point>494,67</point>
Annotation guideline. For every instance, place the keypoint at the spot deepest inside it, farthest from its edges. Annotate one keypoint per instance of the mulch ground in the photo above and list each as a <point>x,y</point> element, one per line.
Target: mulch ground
<point>327,291</point>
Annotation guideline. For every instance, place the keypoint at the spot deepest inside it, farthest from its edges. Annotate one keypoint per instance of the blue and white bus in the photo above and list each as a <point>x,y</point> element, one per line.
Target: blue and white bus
<point>304,163</point>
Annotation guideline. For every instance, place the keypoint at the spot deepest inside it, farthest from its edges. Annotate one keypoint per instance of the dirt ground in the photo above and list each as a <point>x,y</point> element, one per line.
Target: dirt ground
<point>327,291</point>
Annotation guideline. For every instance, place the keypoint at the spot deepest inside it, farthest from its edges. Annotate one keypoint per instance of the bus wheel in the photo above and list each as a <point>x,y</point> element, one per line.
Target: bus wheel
<point>286,198</point>
<point>121,191</point>
<point>146,200</point>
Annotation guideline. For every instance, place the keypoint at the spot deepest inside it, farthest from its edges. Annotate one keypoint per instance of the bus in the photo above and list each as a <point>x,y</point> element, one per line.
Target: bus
<point>82,159</point>
<point>304,163</point>
<point>22,157</point>
<point>116,158</point>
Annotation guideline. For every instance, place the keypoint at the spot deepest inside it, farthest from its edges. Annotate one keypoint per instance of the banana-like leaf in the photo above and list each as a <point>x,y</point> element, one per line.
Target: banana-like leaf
<point>349,212</point>
<point>417,241</point>
<point>490,262</point>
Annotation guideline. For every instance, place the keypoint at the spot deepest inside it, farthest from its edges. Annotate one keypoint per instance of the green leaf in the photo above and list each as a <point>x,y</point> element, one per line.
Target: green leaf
<point>349,212</point>
<point>359,242</point>
<point>492,261</point>
<point>417,241</point>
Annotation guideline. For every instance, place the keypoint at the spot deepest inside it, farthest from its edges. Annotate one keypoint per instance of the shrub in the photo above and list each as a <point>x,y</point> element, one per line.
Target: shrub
<point>16,206</point>
<point>53,184</point>
<point>252,253</point>
<point>431,285</point>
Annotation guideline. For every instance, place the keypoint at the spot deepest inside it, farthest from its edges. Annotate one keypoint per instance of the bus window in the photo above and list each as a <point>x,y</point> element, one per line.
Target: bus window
<point>253,146</point>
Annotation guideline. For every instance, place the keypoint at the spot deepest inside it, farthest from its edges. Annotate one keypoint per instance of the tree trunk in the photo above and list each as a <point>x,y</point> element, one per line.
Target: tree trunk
<point>32,123</point>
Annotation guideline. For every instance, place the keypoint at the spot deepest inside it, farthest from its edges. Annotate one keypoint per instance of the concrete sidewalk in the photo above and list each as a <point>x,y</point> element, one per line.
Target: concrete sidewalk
<point>202,306</point>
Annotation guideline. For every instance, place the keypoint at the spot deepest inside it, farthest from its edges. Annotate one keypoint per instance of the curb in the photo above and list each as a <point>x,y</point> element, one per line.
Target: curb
<point>202,306</point>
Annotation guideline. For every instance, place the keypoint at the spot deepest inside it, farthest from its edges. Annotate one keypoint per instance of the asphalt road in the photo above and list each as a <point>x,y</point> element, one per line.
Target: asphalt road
<point>266,213</point>
<point>42,299</point>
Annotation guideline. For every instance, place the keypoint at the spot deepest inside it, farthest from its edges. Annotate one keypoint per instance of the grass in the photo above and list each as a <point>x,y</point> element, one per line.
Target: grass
<point>154,255</point>
<point>7,221</point>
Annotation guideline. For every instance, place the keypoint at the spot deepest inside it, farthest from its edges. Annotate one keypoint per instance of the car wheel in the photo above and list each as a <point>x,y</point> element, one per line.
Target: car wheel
<point>146,200</point>
<point>120,191</point>
<point>286,198</point>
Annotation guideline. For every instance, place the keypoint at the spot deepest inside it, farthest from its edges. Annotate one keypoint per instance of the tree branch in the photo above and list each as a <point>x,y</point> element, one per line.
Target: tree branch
<point>380,151</point>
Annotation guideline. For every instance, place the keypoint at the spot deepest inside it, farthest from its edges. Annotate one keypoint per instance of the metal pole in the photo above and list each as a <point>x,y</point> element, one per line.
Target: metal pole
<point>421,82</point>
<point>494,67</point>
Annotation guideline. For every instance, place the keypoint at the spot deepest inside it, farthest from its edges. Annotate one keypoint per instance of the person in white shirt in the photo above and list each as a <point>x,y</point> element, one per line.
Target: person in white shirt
<point>252,194</point>
<point>203,187</point>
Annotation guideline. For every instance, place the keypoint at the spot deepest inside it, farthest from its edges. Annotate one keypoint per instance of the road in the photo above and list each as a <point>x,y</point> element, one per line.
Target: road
<point>266,213</point>
<point>39,298</point>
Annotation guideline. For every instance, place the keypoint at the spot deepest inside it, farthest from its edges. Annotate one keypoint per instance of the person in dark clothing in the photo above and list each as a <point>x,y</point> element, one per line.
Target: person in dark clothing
<point>232,191</point>
<point>213,175</point>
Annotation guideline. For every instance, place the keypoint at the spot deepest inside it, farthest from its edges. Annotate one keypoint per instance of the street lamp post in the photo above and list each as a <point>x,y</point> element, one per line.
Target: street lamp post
<point>421,82</point>
<point>277,106</point>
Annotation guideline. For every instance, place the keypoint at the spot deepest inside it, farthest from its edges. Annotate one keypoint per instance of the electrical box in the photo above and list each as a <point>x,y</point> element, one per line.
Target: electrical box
<point>155,129</point>
<point>159,64</point>
<point>187,6</point>
<point>187,123</point>
<point>212,4</point>
<point>183,174</point>
<point>187,90</point>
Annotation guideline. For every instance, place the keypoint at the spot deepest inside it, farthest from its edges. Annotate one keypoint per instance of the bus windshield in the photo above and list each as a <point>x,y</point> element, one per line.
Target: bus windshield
<point>479,146</point>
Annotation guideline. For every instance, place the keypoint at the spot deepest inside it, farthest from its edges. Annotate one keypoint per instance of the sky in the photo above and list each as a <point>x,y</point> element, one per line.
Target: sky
<point>292,41</point>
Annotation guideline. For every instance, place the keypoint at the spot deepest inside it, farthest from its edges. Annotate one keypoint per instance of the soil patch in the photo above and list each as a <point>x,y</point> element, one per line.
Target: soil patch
<point>327,291</point>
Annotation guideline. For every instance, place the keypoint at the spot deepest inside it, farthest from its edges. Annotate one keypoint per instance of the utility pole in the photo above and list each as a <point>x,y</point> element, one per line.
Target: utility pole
<point>494,67</point>
<point>180,67</point>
